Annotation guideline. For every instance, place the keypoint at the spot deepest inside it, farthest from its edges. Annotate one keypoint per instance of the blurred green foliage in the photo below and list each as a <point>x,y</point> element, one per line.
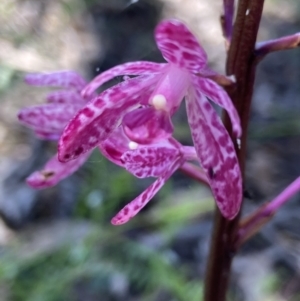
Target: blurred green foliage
<point>53,276</point>
<point>106,251</point>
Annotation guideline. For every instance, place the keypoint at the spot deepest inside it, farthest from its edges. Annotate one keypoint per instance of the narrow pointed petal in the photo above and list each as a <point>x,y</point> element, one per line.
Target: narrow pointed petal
<point>219,96</point>
<point>179,46</point>
<point>146,125</point>
<point>49,117</point>
<point>96,121</point>
<point>216,153</point>
<point>150,161</point>
<point>65,79</point>
<point>65,96</point>
<point>134,68</point>
<point>54,171</point>
<point>135,206</point>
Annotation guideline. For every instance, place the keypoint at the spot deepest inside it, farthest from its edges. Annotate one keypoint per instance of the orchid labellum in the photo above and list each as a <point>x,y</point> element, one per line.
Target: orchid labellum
<point>160,160</point>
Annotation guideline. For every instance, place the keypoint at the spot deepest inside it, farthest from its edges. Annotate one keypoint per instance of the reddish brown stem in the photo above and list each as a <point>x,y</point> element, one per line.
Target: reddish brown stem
<point>241,64</point>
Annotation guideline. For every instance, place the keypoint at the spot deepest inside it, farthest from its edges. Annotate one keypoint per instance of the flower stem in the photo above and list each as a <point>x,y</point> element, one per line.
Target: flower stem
<point>252,224</point>
<point>283,43</point>
<point>241,64</point>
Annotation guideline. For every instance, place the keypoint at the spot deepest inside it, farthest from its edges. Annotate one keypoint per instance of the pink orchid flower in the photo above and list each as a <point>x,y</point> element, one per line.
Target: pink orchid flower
<point>160,160</point>
<point>48,121</point>
<point>144,104</point>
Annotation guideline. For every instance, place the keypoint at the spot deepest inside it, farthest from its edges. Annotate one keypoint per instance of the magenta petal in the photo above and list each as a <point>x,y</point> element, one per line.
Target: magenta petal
<point>218,95</point>
<point>134,68</point>
<point>146,125</point>
<point>216,153</point>
<point>65,79</point>
<point>179,46</point>
<point>135,206</point>
<point>54,171</point>
<point>150,161</point>
<point>67,96</point>
<point>115,146</point>
<point>49,117</point>
<point>95,122</point>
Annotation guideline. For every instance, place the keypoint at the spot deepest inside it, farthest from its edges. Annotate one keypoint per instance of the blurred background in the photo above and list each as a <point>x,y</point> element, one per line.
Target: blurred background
<point>58,244</point>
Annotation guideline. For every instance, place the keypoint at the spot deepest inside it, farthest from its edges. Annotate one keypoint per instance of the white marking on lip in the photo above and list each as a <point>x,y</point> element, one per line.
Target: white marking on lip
<point>132,145</point>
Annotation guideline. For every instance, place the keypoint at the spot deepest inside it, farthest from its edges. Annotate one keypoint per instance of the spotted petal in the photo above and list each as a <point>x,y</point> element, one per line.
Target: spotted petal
<point>145,125</point>
<point>218,95</point>
<point>150,161</point>
<point>65,96</point>
<point>49,118</point>
<point>135,206</point>
<point>99,117</point>
<point>216,153</point>
<point>65,79</point>
<point>54,171</point>
<point>179,46</point>
<point>115,146</point>
<point>134,68</point>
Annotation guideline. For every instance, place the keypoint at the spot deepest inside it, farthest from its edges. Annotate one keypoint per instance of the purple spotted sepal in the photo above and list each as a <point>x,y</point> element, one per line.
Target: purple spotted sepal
<point>48,121</point>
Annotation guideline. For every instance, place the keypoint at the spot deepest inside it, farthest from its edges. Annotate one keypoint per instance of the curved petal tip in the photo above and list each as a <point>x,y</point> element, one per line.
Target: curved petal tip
<point>179,46</point>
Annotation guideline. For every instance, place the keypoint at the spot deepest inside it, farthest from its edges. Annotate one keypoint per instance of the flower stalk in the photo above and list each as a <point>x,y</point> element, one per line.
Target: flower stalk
<point>241,64</point>
<point>283,43</point>
<point>252,224</point>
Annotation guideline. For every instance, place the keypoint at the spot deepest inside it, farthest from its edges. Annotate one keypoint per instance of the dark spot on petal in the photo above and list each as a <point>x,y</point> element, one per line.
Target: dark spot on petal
<point>65,138</point>
<point>167,30</point>
<point>87,112</point>
<point>171,46</point>
<point>223,141</point>
<point>78,151</point>
<point>207,106</point>
<point>98,103</point>
<point>67,156</point>
<point>189,56</point>
<point>211,173</point>
<point>144,198</point>
<point>47,174</point>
